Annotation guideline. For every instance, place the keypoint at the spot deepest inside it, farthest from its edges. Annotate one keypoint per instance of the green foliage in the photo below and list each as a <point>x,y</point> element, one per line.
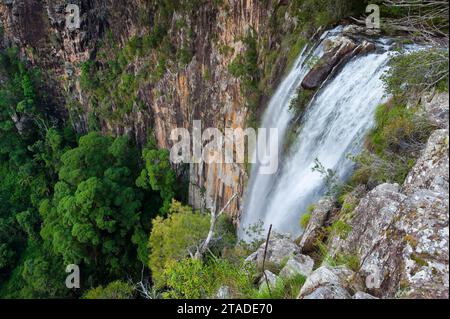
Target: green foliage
<point>306,217</point>
<point>245,67</point>
<point>284,289</point>
<point>194,279</point>
<point>66,202</point>
<point>300,102</point>
<point>415,72</point>
<point>304,221</point>
<point>172,237</point>
<point>393,145</point>
<point>316,13</point>
<point>30,147</point>
<point>95,211</point>
<point>40,274</point>
<point>352,261</point>
<point>87,80</point>
<point>115,290</point>
<point>158,175</point>
<point>340,228</point>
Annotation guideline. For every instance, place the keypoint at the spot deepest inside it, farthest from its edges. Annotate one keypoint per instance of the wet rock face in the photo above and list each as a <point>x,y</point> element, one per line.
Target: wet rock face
<point>338,51</point>
<point>335,51</point>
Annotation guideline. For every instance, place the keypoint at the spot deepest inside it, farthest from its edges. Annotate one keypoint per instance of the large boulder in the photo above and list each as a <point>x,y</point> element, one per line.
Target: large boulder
<point>330,283</point>
<point>318,217</point>
<point>268,280</point>
<point>363,295</point>
<point>328,292</point>
<point>279,250</point>
<point>336,49</point>
<point>297,265</point>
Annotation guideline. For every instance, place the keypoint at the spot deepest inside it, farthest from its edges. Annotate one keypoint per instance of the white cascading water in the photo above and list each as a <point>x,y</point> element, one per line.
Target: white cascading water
<point>333,127</point>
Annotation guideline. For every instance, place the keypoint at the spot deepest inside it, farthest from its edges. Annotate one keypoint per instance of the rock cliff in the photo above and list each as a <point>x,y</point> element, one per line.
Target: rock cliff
<point>201,88</point>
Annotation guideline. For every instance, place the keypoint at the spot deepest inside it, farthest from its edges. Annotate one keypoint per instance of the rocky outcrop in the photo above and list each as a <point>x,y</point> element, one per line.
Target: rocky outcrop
<point>398,237</point>
<point>203,89</point>
<point>268,281</point>
<point>318,217</point>
<point>283,262</point>
<point>338,51</point>
<point>335,51</point>
<point>279,249</point>
<point>435,107</point>
<point>431,171</point>
<point>298,265</point>
<point>401,234</point>
<point>330,283</point>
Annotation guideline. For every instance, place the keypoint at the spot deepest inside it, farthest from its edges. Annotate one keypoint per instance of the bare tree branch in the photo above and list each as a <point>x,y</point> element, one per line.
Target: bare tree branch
<point>214,218</point>
<point>426,19</point>
<point>264,261</point>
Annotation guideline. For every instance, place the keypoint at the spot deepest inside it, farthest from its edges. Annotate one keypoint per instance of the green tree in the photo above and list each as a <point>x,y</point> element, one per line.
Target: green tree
<point>158,175</point>
<point>115,290</point>
<point>29,153</point>
<point>172,238</point>
<point>96,211</point>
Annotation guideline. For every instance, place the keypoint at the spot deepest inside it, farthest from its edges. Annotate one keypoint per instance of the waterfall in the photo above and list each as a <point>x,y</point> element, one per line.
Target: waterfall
<point>333,127</point>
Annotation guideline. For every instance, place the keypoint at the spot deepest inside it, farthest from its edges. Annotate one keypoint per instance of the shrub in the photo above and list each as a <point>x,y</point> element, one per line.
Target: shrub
<point>87,80</point>
<point>245,67</point>
<point>173,237</point>
<point>393,145</point>
<point>304,221</point>
<point>284,289</point>
<point>300,102</point>
<point>316,13</point>
<point>415,72</point>
<point>194,279</point>
<point>340,228</point>
<point>115,290</point>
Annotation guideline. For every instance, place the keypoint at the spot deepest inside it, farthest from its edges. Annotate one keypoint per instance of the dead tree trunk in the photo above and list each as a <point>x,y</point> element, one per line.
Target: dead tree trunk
<point>214,218</point>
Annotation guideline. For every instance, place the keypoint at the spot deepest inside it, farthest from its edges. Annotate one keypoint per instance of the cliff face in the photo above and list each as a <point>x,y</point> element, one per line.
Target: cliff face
<point>202,89</point>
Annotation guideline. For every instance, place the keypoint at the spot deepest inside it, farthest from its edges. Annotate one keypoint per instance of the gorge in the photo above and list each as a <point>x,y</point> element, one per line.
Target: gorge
<point>89,109</point>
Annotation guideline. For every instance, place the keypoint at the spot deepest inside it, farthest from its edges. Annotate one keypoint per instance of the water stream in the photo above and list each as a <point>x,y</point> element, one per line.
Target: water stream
<point>333,127</point>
